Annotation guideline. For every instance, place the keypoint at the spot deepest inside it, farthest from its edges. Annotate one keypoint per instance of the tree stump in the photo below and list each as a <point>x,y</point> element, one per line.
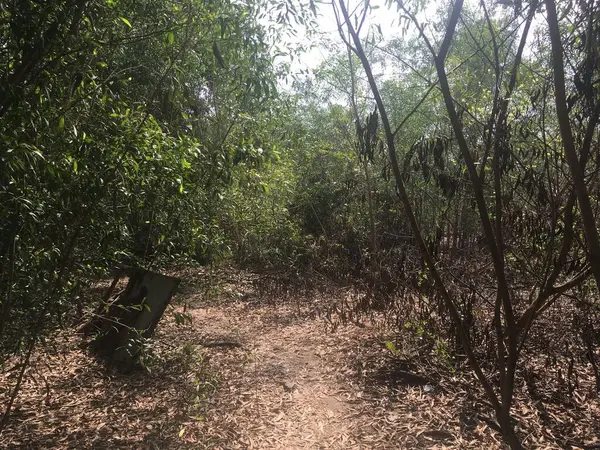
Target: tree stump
<point>132,314</point>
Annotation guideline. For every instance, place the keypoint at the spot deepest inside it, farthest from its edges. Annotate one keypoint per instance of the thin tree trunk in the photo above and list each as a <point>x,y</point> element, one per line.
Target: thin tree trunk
<point>372,224</point>
<point>573,161</point>
<point>429,263</point>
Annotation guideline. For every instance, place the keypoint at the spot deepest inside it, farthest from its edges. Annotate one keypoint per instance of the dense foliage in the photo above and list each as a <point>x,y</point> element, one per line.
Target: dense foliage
<point>122,125</point>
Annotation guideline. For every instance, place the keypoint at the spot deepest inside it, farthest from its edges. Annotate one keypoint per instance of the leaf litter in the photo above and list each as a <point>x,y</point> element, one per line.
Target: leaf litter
<point>255,369</point>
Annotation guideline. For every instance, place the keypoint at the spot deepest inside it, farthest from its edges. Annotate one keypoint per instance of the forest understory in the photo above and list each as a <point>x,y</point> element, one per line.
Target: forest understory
<point>381,219</point>
<point>260,363</point>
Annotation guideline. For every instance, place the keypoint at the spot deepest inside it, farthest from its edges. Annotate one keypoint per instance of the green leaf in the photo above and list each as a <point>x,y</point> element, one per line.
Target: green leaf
<point>171,38</point>
<point>61,122</point>
<point>126,22</point>
<point>391,347</point>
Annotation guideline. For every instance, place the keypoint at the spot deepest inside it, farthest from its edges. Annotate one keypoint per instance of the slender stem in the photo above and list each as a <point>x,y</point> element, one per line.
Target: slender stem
<point>575,167</point>
<point>429,262</point>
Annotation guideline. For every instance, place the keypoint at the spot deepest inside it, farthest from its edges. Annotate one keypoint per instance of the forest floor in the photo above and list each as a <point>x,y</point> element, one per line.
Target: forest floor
<point>252,369</point>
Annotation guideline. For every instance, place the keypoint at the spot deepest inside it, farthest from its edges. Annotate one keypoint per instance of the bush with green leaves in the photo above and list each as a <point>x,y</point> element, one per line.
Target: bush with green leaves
<point>120,122</point>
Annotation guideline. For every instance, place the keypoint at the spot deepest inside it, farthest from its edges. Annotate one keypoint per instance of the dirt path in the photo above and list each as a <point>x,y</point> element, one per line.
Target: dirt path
<point>287,382</point>
<point>285,375</point>
<point>246,372</point>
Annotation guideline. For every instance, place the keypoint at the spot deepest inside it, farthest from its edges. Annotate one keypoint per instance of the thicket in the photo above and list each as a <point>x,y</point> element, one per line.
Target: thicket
<point>512,152</point>
<point>457,162</point>
<point>124,125</point>
<point>124,128</point>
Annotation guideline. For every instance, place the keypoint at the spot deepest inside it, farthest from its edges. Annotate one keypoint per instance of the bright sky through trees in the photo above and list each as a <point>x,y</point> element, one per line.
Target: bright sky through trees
<point>328,31</point>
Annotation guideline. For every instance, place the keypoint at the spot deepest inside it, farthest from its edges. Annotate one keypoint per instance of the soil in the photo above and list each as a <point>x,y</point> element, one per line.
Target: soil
<point>253,370</point>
